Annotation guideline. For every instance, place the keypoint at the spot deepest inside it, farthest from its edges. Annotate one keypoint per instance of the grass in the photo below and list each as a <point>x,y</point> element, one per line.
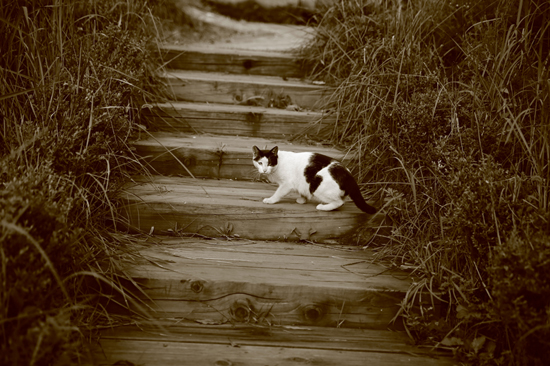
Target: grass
<point>444,107</point>
<point>73,78</point>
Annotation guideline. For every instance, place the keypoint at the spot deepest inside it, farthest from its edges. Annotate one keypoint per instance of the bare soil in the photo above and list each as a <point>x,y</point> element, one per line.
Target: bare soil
<point>223,32</point>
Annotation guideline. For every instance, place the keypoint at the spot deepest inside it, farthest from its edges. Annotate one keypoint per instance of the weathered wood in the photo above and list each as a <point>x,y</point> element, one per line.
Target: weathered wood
<point>211,156</point>
<point>156,353</point>
<point>254,310</point>
<point>236,335</point>
<point>196,86</point>
<point>221,283</point>
<point>361,263</point>
<point>205,58</point>
<point>178,330</point>
<point>220,208</point>
<point>223,346</point>
<point>234,120</point>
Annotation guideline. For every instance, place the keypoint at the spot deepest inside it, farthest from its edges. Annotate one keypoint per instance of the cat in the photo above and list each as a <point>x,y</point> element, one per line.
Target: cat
<point>312,175</point>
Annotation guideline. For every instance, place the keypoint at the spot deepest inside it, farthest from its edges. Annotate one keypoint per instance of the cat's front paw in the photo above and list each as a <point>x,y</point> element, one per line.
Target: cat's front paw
<point>301,200</point>
<point>270,200</point>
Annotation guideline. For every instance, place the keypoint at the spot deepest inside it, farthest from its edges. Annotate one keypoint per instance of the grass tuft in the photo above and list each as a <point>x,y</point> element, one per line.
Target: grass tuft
<point>73,78</point>
<point>444,107</point>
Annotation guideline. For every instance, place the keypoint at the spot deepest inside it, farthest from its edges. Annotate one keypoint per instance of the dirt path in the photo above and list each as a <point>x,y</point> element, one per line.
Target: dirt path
<point>251,35</point>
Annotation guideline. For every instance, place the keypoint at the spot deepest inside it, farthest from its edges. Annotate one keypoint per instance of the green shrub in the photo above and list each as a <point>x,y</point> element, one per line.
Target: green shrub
<point>520,283</point>
<point>444,107</point>
<point>73,77</point>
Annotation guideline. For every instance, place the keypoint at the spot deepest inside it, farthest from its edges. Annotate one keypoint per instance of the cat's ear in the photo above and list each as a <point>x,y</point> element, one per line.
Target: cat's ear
<point>255,151</point>
<point>275,150</point>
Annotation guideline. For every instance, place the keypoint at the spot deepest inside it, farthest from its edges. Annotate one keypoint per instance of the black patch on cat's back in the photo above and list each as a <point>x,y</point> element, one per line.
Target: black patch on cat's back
<point>316,163</point>
<point>341,176</point>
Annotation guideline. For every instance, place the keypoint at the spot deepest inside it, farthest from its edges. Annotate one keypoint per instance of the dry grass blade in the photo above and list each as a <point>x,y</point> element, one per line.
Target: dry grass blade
<point>72,77</point>
<point>444,106</point>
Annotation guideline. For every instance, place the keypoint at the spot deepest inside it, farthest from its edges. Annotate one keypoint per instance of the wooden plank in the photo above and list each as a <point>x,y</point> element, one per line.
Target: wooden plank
<point>220,208</point>
<point>235,61</point>
<point>154,353</point>
<point>243,308</point>
<point>209,272</point>
<point>234,120</point>
<point>361,264</point>
<point>323,267</point>
<point>222,88</point>
<point>211,156</point>
<point>310,337</point>
<point>267,287</point>
<point>268,248</point>
<point>299,297</point>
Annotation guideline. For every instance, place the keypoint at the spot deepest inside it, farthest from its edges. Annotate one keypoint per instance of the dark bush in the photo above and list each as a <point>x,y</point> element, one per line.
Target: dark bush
<point>444,108</point>
<point>73,77</point>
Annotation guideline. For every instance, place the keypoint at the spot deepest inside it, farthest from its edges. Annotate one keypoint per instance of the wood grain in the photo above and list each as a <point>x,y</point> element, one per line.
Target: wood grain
<point>235,120</point>
<point>224,88</point>
<point>211,156</point>
<point>243,308</point>
<point>185,344</point>
<point>266,283</point>
<point>221,207</point>
<point>312,337</point>
<point>230,60</point>
<point>156,353</point>
<point>237,335</point>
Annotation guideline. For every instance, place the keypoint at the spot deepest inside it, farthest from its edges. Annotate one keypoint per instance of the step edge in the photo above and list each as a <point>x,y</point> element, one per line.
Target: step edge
<point>232,108</point>
<point>289,55</point>
<point>268,80</point>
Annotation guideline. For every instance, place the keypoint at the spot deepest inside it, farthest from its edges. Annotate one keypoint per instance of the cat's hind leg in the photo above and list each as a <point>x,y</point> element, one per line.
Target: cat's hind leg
<point>301,200</point>
<point>329,195</point>
<point>330,206</point>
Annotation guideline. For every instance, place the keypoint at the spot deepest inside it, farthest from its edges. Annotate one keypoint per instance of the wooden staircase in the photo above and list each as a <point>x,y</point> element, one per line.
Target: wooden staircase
<point>201,150</point>
<point>224,279</point>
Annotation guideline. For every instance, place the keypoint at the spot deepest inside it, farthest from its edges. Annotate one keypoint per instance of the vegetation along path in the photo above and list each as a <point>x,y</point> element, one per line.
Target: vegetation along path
<point>226,279</point>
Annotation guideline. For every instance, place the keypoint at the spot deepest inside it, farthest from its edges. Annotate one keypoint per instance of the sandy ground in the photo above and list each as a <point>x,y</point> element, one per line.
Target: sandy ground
<point>310,4</point>
<point>233,34</point>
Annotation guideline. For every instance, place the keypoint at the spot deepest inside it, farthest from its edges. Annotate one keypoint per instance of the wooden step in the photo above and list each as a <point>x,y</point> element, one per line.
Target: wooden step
<point>234,120</point>
<point>235,61</point>
<point>183,343</point>
<point>212,156</point>
<point>266,283</point>
<point>225,208</point>
<point>266,91</point>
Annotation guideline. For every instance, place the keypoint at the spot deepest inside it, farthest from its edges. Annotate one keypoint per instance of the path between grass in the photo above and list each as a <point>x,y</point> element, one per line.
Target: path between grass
<point>252,35</point>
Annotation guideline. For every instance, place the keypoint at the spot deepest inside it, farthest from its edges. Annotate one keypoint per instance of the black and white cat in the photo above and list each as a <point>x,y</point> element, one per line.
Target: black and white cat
<point>313,176</point>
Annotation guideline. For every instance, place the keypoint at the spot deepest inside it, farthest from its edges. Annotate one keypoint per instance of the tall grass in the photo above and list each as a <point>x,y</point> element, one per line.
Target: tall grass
<point>73,77</point>
<point>445,107</point>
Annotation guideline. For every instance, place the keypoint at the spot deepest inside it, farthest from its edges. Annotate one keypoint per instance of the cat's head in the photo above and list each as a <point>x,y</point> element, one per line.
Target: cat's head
<point>265,160</point>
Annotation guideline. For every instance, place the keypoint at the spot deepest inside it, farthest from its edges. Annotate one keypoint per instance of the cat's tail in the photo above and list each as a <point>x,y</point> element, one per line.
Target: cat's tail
<point>354,192</point>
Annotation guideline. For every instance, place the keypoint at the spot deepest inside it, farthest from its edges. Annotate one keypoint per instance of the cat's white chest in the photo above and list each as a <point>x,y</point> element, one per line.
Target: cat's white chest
<point>290,171</point>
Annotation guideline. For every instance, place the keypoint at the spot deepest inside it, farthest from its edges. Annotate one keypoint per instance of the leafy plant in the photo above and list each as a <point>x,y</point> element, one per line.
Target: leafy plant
<point>73,77</point>
<point>444,108</point>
